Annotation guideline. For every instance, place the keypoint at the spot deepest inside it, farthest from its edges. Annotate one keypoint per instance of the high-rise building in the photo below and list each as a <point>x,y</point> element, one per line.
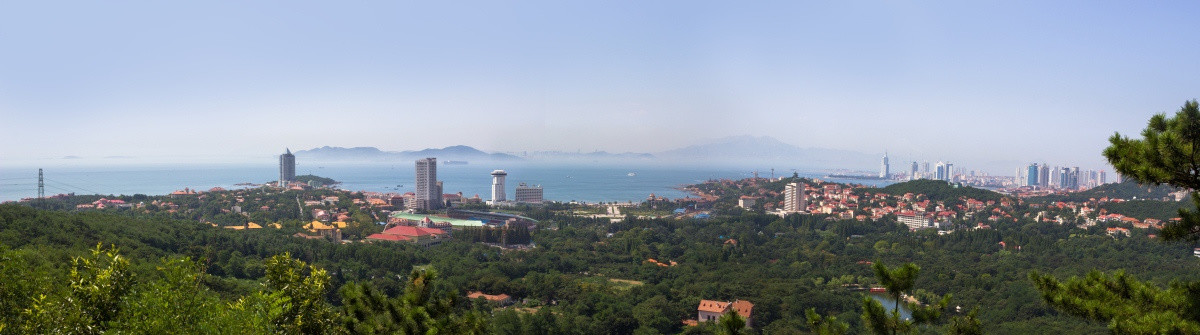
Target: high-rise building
<point>885,172</point>
<point>939,171</point>
<point>529,194</point>
<point>1044,175</point>
<point>793,198</point>
<point>1019,177</point>
<point>912,175</point>
<point>287,168</point>
<point>949,172</point>
<point>498,186</point>
<point>1103,178</point>
<point>1031,175</point>
<point>429,193</point>
<point>1072,178</point>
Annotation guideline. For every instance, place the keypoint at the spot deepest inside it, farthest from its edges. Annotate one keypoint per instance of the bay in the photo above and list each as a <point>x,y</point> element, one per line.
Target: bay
<point>561,182</point>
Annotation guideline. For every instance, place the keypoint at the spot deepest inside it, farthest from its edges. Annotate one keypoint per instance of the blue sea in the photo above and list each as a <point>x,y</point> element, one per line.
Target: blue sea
<point>561,182</point>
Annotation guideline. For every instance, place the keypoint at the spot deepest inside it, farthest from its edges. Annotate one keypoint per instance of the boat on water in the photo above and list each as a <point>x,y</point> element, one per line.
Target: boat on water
<point>631,174</point>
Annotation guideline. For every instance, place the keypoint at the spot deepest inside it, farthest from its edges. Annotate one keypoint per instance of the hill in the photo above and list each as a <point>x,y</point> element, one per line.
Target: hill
<point>938,190</point>
<point>1128,190</point>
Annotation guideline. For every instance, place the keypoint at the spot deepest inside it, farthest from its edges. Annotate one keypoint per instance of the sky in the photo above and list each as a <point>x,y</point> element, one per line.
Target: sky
<point>990,84</point>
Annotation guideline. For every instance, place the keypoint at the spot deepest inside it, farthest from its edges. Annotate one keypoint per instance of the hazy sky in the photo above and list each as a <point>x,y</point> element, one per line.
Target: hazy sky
<point>980,83</point>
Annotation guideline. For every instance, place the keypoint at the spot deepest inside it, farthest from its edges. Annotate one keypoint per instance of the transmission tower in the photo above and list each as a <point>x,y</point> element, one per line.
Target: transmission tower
<point>41,190</point>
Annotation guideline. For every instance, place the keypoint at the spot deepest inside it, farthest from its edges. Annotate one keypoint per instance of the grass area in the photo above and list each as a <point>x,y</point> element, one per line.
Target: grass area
<point>625,284</point>
<point>612,283</point>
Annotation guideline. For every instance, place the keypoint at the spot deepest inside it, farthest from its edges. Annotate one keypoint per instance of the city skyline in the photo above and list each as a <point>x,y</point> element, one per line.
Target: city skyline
<point>993,85</point>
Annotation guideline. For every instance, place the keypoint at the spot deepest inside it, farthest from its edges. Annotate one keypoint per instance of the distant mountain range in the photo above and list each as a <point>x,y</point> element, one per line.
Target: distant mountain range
<point>457,152</point>
<point>739,150</point>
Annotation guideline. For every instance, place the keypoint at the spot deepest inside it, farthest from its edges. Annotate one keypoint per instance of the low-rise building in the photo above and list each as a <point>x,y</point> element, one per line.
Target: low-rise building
<point>711,310</point>
<point>499,299</point>
<point>418,235</point>
<point>915,220</point>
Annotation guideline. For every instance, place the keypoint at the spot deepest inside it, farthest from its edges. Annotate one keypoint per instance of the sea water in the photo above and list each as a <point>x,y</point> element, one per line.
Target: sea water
<point>560,182</point>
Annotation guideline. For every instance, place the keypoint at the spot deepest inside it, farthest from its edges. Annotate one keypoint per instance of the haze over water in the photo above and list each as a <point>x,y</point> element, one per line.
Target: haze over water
<point>561,182</point>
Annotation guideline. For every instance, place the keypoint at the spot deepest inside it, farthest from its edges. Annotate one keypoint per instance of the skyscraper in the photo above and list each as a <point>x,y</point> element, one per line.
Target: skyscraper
<point>1032,175</point>
<point>1044,175</point>
<point>498,186</point>
<point>287,168</point>
<point>913,174</point>
<point>886,171</point>
<point>1072,181</point>
<point>429,195</point>
<point>940,171</point>
<point>793,198</point>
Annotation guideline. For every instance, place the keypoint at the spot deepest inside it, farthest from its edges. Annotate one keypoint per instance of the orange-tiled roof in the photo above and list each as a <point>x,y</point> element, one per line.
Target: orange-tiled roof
<point>489,297</point>
<point>412,231</point>
<point>388,237</point>
<point>713,306</point>
<point>743,308</point>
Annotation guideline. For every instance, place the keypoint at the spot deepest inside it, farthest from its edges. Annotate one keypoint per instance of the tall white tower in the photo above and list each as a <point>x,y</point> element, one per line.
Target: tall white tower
<point>498,186</point>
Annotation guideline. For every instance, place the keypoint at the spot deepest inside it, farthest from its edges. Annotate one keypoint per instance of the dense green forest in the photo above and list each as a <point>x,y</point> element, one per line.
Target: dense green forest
<point>1127,189</point>
<point>938,190</point>
<point>319,181</point>
<point>585,276</point>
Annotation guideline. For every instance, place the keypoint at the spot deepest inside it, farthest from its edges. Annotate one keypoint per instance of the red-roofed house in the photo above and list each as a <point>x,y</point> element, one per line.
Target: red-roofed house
<point>500,299</point>
<point>419,235</point>
<point>711,310</point>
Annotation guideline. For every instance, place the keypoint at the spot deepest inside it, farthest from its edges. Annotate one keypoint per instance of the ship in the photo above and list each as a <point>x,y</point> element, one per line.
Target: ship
<point>456,162</point>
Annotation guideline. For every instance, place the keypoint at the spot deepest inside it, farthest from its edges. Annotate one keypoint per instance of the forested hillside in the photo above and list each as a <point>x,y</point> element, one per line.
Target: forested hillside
<point>938,190</point>
<point>577,280</point>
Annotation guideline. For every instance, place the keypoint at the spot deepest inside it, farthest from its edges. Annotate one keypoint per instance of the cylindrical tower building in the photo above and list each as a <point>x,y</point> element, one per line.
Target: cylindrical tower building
<point>498,186</point>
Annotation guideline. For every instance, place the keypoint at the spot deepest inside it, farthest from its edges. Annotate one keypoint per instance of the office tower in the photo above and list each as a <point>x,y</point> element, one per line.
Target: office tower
<point>1072,178</point>
<point>1018,177</point>
<point>1103,178</point>
<point>498,186</point>
<point>1057,175</point>
<point>885,172</point>
<point>913,174</point>
<point>1031,175</point>
<point>793,198</point>
<point>429,193</point>
<point>925,171</point>
<point>939,171</point>
<point>529,194</point>
<point>287,168</point>
<point>1044,175</point>
<point>949,172</point>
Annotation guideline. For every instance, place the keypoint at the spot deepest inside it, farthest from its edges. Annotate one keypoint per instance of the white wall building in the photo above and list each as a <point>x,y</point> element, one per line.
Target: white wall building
<point>528,194</point>
<point>915,220</point>
<point>793,198</point>
<point>498,186</point>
